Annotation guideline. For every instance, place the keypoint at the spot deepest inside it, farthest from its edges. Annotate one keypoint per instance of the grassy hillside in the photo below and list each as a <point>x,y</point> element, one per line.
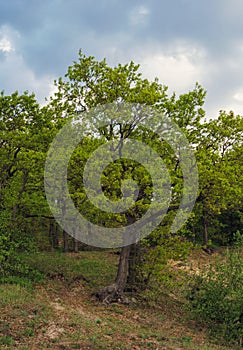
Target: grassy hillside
<point>60,312</point>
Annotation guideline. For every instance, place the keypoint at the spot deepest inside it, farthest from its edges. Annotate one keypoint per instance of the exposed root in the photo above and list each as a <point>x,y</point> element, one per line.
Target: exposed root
<point>111,294</point>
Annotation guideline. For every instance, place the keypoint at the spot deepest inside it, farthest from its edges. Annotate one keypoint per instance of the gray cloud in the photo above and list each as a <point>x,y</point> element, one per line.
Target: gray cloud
<point>191,40</point>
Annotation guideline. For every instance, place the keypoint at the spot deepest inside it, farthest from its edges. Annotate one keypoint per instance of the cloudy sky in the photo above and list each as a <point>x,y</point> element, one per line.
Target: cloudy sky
<point>179,41</point>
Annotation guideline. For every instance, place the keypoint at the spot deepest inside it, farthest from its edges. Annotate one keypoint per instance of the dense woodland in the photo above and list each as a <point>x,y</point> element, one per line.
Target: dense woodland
<point>27,130</point>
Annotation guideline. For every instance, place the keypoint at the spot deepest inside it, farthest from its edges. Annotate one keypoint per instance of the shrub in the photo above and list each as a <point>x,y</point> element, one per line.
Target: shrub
<point>12,242</point>
<point>153,272</point>
<point>216,296</point>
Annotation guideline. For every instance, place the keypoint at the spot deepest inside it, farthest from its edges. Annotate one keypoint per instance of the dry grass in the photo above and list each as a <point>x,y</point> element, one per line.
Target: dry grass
<point>61,314</point>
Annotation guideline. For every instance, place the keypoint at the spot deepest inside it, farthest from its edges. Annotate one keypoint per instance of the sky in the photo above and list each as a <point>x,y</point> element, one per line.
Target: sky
<point>179,41</point>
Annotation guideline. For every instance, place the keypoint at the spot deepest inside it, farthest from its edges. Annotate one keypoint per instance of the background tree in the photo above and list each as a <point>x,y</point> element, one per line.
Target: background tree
<point>219,154</point>
<point>25,134</point>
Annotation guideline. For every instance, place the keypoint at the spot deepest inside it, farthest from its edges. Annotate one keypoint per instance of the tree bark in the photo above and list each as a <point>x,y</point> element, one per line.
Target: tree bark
<point>114,292</point>
<point>65,241</point>
<point>75,245</point>
<point>134,260</point>
<point>55,237</point>
<point>123,266</point>
<point>53,234</point>
<point>205,228</point>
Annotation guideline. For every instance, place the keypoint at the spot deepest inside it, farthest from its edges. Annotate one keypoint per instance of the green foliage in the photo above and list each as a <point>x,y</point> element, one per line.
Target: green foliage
<point>12,242</point>
<point>90,83</point>
<point>216,297</point>
<point>26,131</point>
<point>238,239</point>
<point>219,160</point>
<point>154,271</point>
<point>9,260</point>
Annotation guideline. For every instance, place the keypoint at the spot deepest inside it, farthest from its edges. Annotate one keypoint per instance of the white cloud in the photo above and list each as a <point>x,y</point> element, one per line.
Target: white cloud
<point>139,15</point>
<point>20,77</point>
<point>16,73</point>
<point>178,72</point>
<point>228,102</point>
<point>179,66</point>
<point>8,37</point>
<point>235,107</point>
<point>238,96</point>
<point>5,45</point>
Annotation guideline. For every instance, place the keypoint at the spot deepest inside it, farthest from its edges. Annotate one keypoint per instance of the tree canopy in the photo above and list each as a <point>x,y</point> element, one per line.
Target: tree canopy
<point>27,131</point>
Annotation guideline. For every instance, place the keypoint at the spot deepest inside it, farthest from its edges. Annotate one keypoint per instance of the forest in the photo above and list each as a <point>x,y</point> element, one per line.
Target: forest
<point>39,255</point>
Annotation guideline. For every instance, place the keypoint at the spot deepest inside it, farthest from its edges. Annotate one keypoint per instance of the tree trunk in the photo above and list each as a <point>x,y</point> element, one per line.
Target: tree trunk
<point>53,235</point>
<point>206,248</point>
<point>114,291</point>
<point>75,245</point>
<point>122,272</point>
<point>134,260</point>
<point>205,229</point>
<point>65,241</point>
<point>51,232</point>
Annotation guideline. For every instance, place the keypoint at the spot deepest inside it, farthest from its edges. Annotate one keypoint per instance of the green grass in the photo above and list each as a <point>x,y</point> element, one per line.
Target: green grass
<point>92,267</point>
<point>14,294</point>
<point>60,313</point>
